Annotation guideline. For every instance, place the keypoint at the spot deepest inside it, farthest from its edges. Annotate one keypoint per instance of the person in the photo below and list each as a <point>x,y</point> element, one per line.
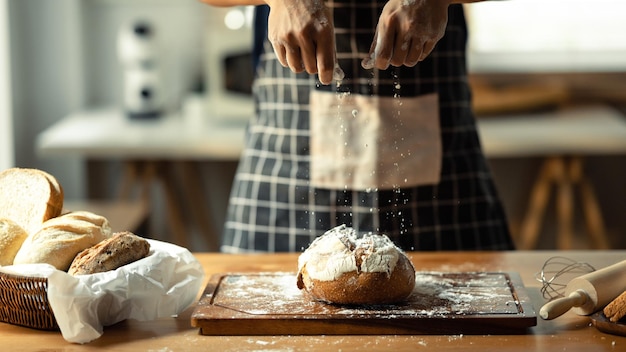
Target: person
<point>363,118</point>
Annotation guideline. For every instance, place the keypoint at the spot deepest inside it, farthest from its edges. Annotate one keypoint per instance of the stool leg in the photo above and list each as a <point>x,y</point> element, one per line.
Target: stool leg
<point>128,179</point>
<point>565,209</point>
<point>148,175</point>
<point>137,173</point>
<point>198,205</point>
<point>537,206</point>
<point>173,205</point>
<point>591,208</point>
<point>593,216</point>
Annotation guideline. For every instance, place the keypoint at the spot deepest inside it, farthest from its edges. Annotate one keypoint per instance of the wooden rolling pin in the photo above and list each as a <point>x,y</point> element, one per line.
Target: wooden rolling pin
<point>589,293</point>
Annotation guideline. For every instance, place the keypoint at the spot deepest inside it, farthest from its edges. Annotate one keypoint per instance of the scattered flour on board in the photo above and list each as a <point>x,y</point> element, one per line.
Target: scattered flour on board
<point>435,295</point>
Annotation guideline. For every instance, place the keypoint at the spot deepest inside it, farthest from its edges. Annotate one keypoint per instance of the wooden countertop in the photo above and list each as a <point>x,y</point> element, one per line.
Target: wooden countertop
<point>569,332</point>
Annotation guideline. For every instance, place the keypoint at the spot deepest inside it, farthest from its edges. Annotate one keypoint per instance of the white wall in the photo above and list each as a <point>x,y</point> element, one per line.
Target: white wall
<point>47,80</point>
<point>6,117</point>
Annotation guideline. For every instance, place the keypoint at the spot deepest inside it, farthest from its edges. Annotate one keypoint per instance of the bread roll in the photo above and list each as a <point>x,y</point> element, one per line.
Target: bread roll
<point>29,197</point>
<point>60,239</point>
<point>12,236</point>
<point>120,249</point>
<point>88,216</point>
<point>338,267</point>
<point>616,310</point>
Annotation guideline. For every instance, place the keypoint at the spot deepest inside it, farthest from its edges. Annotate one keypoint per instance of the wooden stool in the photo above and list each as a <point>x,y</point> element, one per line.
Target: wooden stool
<point>143,173</point>
<point>565,174</point>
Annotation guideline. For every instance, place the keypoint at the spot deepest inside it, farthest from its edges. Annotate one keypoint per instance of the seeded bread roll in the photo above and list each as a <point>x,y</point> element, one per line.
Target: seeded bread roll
<point>120,249</point>
<point>12,236</point>
<point>60,239</point>
<point>340,268</point>
<point>29,197</point>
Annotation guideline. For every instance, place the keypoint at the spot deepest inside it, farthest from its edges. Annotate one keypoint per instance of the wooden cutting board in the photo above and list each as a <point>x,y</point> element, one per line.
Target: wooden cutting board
<point>441,303</point>
<point>602,323</point>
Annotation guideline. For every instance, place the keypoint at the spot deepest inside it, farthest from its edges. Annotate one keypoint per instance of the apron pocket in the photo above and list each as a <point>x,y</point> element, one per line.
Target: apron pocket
<point>370,142</point>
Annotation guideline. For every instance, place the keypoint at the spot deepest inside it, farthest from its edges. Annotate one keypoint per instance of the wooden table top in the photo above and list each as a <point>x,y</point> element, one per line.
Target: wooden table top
<point>569,332</point>
<point>107,133</point>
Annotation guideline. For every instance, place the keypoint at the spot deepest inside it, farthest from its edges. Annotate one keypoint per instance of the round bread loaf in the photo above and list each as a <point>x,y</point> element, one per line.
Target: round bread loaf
<point>60,239</point>
<point>341,268</point>
<point>120,249</point>
<point>12,236</point>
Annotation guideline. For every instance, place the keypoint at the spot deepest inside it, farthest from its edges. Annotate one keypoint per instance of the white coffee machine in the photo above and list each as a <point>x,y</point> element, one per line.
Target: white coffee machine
<point>138,53</point>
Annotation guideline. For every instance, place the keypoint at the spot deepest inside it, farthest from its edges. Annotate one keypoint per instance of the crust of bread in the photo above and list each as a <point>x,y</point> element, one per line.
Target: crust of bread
<point>616,310</point>
<point>60,239</point>
<point>88,216</point>
<point>363,288</point>
<point>12,236</point>
<point>57,197</point>
<point>120,249</point>
<point>29,197</point>
<point>343,267</point>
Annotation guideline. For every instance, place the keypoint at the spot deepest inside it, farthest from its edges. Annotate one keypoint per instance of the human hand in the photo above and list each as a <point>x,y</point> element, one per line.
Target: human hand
<point>302,35</point>
<point>407,32</point>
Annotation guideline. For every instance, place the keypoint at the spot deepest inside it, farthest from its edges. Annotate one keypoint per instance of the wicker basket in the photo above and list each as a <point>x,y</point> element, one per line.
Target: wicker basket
<point>24,301</point>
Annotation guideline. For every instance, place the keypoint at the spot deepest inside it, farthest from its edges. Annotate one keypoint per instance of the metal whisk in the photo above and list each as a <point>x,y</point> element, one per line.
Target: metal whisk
<point>556,272</point>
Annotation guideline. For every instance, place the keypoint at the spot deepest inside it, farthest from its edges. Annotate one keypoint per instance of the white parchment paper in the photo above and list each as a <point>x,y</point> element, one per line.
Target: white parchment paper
<point>161,285</point>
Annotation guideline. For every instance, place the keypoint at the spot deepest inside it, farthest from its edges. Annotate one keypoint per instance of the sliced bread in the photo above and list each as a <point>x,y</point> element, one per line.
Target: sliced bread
<point>29,197</point>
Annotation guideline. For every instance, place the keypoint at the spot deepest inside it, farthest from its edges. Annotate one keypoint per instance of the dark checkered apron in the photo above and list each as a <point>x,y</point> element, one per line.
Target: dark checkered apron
<point>273,207</point>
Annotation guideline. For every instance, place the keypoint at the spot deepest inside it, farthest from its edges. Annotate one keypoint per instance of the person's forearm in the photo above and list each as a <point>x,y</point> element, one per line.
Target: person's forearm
<point>228,3</point>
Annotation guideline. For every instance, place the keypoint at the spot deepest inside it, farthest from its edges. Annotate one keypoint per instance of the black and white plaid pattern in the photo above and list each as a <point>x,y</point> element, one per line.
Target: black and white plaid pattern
<point>274,209</point>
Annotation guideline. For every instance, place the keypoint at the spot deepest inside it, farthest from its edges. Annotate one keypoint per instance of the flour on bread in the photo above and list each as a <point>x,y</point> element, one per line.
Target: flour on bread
<point>340,251</point>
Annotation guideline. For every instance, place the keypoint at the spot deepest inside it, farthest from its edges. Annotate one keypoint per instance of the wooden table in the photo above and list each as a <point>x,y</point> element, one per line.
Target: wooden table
<point>569,332</point>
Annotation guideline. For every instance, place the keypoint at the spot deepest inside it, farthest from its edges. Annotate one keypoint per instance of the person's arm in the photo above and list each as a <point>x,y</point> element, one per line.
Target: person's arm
<point>230,3</point>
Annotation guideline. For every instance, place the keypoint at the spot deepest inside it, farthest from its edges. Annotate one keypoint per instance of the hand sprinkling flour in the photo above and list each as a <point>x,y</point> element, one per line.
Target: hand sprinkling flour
<point>407,32</point>
<point>302,35</point>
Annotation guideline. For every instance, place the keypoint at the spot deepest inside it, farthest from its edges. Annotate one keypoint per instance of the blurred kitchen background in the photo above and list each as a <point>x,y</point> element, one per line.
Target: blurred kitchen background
<point>530,60</point>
